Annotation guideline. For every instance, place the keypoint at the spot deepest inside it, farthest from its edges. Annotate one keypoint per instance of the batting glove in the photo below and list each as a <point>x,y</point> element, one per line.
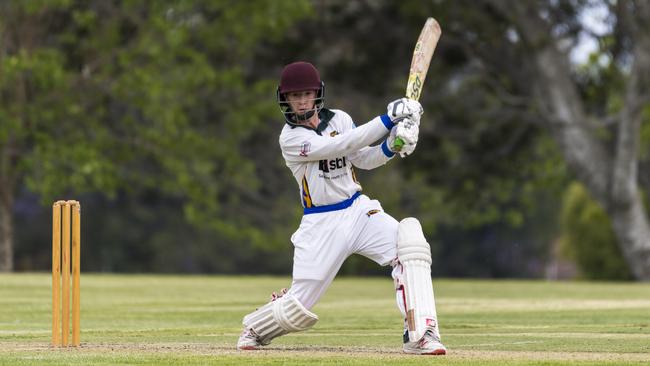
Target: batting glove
<point>404,107</point>
<point>407,130</point>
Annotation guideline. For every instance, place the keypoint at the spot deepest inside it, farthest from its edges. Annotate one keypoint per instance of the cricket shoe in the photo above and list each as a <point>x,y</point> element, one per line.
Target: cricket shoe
<point>249,340</point>
<point>429,344</point>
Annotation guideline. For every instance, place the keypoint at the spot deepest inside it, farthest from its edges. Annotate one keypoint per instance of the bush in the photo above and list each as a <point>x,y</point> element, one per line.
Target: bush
<point>588,239</point>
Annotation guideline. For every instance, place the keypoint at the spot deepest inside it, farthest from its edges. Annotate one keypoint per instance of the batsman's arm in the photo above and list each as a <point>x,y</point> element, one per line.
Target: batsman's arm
<point>371,157</point>
<point>305,145</point>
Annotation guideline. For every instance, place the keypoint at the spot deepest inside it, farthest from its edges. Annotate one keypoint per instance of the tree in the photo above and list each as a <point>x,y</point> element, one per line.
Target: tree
<point>607,166</point>
<point>484,176</point>
<point>588,239</point>
<point>521,51</point>
<point>132,96</point>
<point>503,85</point>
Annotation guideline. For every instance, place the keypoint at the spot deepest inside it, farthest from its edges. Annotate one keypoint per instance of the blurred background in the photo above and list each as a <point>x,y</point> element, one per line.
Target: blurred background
<point>161,118</point>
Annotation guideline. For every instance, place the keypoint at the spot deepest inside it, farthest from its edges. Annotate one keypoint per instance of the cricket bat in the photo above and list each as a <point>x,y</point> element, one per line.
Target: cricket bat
<point>422,54</point>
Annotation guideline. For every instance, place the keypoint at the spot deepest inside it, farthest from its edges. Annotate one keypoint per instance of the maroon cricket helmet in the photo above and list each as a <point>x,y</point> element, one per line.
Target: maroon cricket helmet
<point>299,76</point>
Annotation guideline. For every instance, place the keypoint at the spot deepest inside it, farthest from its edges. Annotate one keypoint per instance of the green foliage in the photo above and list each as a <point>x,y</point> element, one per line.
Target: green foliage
<point>175,98</point>
<point>588,239</point>
<point>133,97</point>
<point>160,111</point>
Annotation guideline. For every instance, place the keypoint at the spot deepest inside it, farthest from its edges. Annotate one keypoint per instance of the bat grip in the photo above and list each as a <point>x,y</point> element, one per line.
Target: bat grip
<point>398,144</point>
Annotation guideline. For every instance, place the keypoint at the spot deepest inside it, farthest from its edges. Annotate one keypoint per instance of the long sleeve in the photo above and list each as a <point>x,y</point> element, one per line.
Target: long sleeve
<point>309,146</point>
<point>371,157</point>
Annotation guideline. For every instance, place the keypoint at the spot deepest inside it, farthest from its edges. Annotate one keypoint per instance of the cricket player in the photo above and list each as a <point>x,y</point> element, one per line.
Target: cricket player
<point>322,147</point>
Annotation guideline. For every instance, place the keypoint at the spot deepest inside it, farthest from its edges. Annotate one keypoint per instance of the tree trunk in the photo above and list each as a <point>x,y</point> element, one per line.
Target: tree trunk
<point>626,209</point>
<point>6,231</point>
<point>609,173</point>
<point>633,233</point>
<point>612,182</point>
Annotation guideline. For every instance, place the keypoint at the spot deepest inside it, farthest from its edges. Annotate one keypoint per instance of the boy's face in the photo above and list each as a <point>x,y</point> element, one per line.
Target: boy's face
<point>301,102</point>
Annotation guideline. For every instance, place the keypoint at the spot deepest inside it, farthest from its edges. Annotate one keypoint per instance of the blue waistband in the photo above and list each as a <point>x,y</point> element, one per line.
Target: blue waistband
<point>333,207</point>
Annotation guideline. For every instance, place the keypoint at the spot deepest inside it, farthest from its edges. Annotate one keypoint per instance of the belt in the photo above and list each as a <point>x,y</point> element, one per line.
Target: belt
<point>333,207</point>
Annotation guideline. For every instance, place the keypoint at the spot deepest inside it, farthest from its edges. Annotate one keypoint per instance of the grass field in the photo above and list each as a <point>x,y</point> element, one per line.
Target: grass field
<point>195,320</point>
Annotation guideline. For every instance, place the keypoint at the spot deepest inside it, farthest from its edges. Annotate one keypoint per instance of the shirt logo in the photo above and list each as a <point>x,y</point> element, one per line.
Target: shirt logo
<point>372,212</point>
<point>334,133</point>
<point>326,166</point>
<point>304,148</point>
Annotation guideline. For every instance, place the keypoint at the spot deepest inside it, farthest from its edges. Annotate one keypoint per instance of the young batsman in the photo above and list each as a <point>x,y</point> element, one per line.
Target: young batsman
<point>321,147</point>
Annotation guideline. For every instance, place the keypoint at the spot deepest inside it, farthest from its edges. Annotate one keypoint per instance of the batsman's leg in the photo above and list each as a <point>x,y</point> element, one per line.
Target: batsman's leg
<point>260,328</point>
<point>412,274</point>
<point>281,316</point>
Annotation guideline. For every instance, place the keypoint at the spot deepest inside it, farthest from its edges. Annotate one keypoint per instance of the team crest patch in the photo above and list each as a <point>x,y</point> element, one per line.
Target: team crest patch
<point>372,212</point>
<point>334,133</point>
<point>304,148</point>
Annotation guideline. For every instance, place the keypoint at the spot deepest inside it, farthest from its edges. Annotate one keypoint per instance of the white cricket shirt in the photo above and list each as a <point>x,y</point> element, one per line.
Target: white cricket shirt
<point>322,161</point>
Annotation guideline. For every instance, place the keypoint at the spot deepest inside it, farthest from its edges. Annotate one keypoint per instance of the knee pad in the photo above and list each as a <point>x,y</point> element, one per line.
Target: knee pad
<point>279,317</point>
<point>414,254</point>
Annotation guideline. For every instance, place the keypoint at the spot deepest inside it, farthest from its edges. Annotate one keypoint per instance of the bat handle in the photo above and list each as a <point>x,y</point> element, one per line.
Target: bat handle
<point>398,144</point>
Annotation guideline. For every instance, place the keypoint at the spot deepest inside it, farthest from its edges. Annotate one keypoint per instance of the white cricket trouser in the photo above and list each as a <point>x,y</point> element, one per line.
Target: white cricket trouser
<point>325,240</point>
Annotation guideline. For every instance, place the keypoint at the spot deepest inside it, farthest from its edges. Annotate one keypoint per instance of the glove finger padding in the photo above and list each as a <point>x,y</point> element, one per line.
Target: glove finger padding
<point>407,150</point>
<point>416,110</point>
<point>404,107</point>
<point>408,132</point>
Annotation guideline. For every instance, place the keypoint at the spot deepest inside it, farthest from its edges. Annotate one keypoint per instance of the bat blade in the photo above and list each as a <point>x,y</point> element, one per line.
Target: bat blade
<point>422,54</point>
<point>426,44</point>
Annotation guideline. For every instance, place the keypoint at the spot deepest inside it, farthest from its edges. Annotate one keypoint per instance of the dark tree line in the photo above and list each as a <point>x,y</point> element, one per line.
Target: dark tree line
<point>161,117</point>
